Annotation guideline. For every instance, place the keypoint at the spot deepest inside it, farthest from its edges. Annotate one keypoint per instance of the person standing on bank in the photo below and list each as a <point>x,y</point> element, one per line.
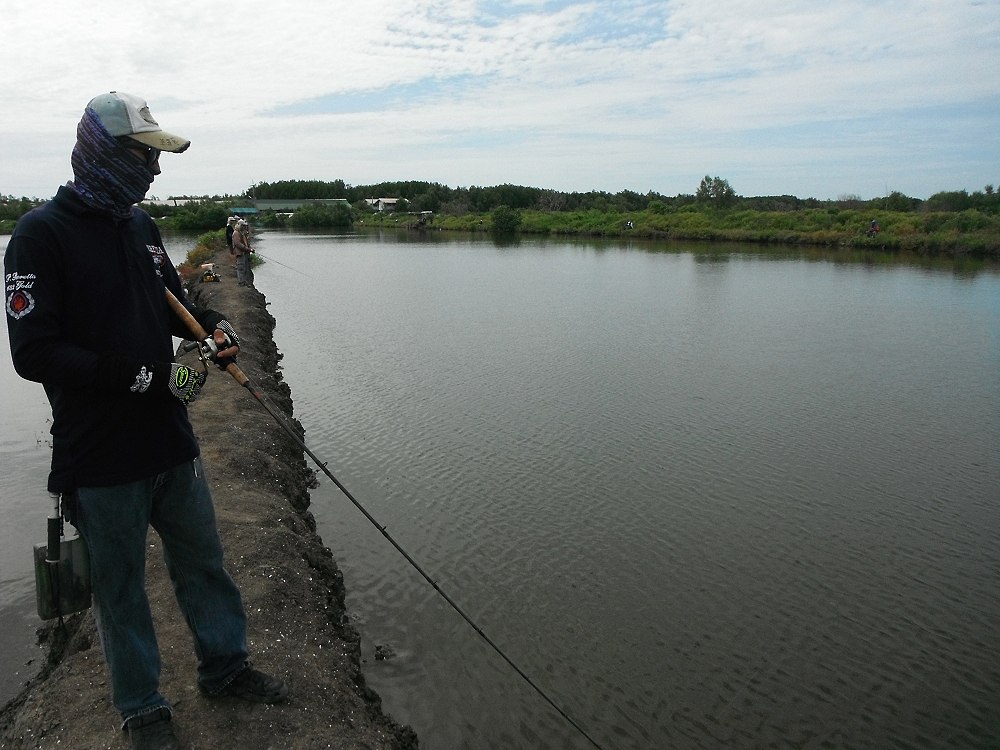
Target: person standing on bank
<point>230,228</point>
<point>242,249</point>
<point>87,316</point>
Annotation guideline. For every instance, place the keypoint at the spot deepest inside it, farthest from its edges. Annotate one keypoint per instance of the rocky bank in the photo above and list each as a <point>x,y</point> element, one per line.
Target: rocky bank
<point>292,589</point>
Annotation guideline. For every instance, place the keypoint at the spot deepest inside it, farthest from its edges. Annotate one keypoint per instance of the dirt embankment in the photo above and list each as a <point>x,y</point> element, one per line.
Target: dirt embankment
<point>292,590</point>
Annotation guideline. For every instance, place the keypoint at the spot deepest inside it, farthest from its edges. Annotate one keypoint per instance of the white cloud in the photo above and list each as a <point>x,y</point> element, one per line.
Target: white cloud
<point>777,96</point>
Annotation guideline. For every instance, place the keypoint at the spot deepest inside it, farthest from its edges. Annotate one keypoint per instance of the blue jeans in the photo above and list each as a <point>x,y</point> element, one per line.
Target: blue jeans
<point>114,522</point>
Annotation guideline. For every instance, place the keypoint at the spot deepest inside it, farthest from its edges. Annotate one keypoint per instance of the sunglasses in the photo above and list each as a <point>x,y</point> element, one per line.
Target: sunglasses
<point>150,154</point>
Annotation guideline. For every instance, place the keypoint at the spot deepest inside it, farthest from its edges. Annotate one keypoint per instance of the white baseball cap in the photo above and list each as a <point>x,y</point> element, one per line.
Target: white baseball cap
<point>124,114</point>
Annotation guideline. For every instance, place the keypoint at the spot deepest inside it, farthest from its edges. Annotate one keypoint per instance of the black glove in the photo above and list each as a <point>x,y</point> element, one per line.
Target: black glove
<point>185,382</point>
<point>231,340</point>
<point>211,320</point>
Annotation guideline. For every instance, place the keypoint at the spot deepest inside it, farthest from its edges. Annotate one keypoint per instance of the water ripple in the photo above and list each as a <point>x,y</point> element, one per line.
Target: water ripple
<point>705,505</point>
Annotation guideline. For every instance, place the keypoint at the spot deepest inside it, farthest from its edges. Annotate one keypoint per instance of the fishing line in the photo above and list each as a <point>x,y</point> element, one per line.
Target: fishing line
<point>265,257</point>
<point>240,377</point>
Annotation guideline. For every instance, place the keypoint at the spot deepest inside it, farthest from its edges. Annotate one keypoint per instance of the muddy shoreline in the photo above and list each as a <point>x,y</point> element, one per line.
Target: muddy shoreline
<point>292,589</point>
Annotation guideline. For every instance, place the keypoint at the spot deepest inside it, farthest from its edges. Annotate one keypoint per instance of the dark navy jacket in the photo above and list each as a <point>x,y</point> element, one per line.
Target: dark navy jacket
<point>86,308</point>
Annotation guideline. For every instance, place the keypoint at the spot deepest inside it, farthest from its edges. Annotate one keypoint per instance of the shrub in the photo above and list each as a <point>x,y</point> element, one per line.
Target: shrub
<point>505,220</point>
<point>310,216</point>
<point>206,215</point>
<point>205,248</point>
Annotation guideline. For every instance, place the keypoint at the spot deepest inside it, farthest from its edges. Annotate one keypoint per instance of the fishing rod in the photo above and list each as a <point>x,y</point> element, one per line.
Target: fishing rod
<point>266,257</point>
<point>240,377</point>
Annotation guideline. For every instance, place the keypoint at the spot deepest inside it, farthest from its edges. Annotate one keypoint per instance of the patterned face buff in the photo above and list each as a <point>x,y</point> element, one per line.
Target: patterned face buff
<point>107,176</point>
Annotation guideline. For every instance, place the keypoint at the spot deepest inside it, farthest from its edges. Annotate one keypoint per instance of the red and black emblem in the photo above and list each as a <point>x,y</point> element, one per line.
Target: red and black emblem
<point>19,304</point>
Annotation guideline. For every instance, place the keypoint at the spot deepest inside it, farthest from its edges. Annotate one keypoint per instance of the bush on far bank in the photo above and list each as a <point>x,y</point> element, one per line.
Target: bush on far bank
<point>337,216</point>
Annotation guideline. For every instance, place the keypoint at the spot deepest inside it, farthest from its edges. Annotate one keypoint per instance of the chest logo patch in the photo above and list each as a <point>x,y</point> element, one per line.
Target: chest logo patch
<point>159,257</point>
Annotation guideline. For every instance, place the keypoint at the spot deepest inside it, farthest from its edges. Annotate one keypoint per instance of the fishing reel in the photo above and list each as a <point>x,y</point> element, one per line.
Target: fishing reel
<point>208,350</point>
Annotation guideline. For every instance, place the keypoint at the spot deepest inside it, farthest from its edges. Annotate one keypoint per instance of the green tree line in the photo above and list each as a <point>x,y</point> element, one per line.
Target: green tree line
<point>712,192</point>
<point>947,223</point>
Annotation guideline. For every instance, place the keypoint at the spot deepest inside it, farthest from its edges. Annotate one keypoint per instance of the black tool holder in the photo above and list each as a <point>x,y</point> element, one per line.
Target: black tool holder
<point>62,570</point>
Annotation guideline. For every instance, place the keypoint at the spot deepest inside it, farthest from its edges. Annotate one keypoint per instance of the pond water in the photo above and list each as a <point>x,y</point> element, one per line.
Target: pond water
<point>701,499</point>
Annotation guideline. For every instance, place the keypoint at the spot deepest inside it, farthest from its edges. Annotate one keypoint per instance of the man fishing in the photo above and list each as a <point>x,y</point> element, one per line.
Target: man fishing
<point>85,278</point>
<point>243,250</point>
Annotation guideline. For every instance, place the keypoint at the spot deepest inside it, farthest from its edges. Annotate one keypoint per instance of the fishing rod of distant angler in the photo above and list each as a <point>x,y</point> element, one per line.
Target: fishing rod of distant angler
<point>266,257</point>
<point>240,377</point>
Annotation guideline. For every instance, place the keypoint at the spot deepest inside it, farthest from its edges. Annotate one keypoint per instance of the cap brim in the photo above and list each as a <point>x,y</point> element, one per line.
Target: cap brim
<point>162,140</point>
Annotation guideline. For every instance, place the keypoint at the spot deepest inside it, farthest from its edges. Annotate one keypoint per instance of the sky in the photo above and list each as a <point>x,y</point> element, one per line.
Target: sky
<point>814,99</point>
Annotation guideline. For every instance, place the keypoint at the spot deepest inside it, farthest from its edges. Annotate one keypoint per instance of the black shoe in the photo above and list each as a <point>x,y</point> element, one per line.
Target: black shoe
<point>152,731</point>
<point>251,685</point>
